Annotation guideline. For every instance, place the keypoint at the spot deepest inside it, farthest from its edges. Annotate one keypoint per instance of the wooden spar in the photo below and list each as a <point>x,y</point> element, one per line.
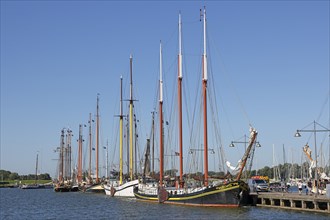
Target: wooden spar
<point>60,176</point>
<point>79,174</point>
<point>69,152</point>
<point>131,121</point>
<point>127,144</point>
<point>180,103</point>
<point>36,177</point>
<point>161,148</point>
<point>90,149</point>
<point>65,156</point>
<point>135,146</point>
<point>205,104</point>
<point>308,153</point>
<point>121,133</point>
<point>107,159</point>
<point>97,139</point>
<point>153,143</point>
<point>252,140</point>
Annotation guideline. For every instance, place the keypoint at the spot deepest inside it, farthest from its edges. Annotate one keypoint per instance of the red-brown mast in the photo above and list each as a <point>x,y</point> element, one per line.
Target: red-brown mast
<point>161,157</point>
<point>180,103</point>
<point>205,104</point>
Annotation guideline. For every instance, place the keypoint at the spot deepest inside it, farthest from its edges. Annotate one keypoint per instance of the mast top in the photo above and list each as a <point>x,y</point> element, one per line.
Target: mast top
<point>180,27</point>
<point>204,52</point>
<point>131,77</point>
<point>160,74</point>
<point>180,48</point>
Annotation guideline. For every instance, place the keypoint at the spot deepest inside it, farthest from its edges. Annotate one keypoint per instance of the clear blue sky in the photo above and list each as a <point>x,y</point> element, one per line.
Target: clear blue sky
<point>270,60</point>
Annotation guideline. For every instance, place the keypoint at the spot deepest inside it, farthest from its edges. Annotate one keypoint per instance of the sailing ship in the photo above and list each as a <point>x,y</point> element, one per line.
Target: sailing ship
<point>65,181</point>
<point>119,187</point>
<point>317,186</point>
<point>220,193</point>
<point>36,185</point>
<point>96,185</point>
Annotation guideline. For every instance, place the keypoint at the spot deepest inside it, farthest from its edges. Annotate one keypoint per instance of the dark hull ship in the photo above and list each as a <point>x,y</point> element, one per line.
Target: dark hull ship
<point>232,194</point>
<point>209,192</point>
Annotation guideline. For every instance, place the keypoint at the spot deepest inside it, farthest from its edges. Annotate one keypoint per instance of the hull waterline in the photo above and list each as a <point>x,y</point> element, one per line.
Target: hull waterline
<point>124,190</point>
<point>234,194</point>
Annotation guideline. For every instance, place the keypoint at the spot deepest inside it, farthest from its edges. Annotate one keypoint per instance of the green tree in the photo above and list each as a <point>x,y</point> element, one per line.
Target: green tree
<point>44,176</point>
<point>13,176</point>
<point>4,174</point>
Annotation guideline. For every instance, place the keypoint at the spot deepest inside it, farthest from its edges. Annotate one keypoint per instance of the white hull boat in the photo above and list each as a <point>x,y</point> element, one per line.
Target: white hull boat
<point>124,190</point>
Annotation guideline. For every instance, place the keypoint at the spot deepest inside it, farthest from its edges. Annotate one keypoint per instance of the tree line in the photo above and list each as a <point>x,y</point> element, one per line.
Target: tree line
<point>7,175</point>
<point>288,170</point>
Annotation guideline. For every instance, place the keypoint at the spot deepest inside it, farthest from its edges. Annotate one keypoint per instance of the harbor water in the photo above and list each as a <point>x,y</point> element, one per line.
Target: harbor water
<point>17,203</point>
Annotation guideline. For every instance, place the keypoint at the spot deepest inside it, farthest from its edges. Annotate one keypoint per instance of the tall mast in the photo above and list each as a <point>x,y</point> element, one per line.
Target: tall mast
<point>69,153</point>
<point>180,102</point>
<point>66,157</point>
<point>121,133</point>
<point>107,158</point>
<point>153,143</point>
<point>127,144</point>
<point>131,121</point>
<point>36,180</point>
<point>97,139</point>
<point>205,103</point>
<point>79,175</point>
<point>161,161</point>
<point>274,162</point>
<point>90,148</point>
<point>60,176</point>
<point>252,140</point>
<point>135,150</point>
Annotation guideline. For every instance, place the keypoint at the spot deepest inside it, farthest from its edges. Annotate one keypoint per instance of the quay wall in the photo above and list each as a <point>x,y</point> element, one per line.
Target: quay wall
<point>292,201</point>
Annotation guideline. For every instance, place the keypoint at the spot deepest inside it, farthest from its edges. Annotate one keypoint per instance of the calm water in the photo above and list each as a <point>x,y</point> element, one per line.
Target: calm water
<point>46,204</point>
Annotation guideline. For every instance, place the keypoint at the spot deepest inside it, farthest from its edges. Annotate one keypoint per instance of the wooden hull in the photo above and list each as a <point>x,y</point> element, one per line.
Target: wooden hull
<point>66,188</point>
<point>96,188</point>
<point>234,194</point>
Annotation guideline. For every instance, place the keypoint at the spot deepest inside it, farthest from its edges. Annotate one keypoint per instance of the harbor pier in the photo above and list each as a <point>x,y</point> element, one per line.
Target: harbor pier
<point>292,201</point>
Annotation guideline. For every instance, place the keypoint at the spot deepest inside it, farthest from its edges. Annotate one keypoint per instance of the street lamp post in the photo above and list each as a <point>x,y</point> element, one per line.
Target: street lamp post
<point>232,144</point>
<point>192,150</point>
<point>314,130</point>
